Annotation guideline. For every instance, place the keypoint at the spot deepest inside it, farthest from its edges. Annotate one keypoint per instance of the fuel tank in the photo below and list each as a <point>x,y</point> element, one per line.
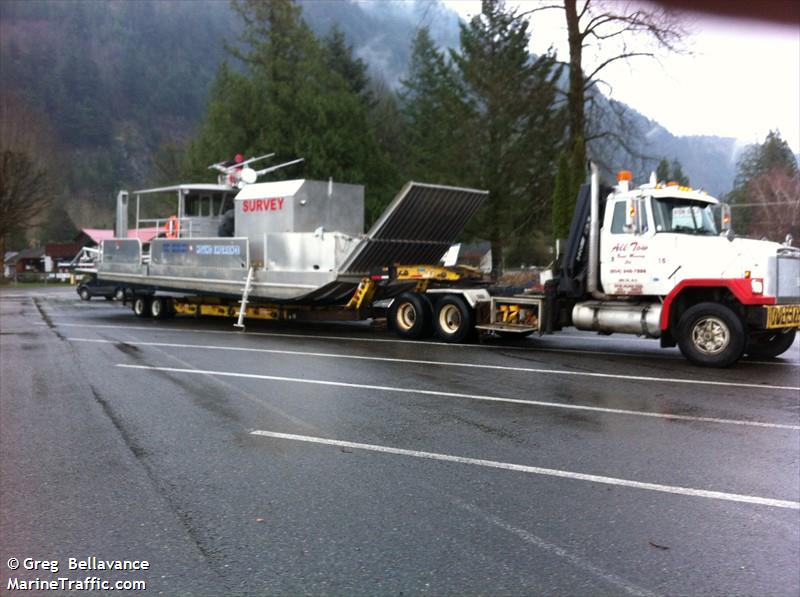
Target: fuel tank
<point>626,318</point>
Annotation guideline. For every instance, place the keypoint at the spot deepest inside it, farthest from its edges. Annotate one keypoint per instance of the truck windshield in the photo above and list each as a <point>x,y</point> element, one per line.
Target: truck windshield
<point>683,216</point>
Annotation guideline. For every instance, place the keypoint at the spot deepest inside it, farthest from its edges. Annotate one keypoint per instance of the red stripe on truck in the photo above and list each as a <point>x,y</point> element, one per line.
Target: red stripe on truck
<point>739,287</point>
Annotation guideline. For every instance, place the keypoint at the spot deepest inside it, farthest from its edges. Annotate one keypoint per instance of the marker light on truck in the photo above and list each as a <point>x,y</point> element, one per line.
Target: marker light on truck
<point>624,175</point>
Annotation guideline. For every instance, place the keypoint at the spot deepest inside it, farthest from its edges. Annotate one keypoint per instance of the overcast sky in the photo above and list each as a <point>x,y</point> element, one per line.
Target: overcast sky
<point>741,80</point>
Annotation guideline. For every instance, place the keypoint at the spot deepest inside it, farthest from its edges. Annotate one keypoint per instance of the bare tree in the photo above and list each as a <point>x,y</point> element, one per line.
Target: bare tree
<point>619,31</point>
<point>775,205</point>
<point>26,150</point>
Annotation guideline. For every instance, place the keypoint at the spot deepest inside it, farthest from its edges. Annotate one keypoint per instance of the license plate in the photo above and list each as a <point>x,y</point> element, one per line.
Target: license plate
<point>783,316</point>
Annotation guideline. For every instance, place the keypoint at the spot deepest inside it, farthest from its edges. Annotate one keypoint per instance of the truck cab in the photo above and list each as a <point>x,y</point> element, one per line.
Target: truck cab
<point>652,236</point>
<point>661,254</point>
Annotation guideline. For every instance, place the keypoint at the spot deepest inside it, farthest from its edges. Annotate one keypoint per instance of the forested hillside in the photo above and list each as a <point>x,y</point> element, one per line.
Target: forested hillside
<point>113,81</point>
<point>133,94</point>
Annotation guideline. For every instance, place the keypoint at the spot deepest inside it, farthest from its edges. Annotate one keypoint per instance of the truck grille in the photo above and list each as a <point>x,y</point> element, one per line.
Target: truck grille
<point>788,277</point>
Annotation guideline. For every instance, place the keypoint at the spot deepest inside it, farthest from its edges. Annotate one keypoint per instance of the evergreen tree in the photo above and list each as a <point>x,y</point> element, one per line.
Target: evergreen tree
<point>511,98</point>
<point>577,169</point>
<point>436,115</point>
<point>391,132</point>
<point>570,175</point>
<point>662,171</point>
<point>340,59</point>
<point>290,100</point>
<point>671,172</point>
<point>58,226</point>
<point>562,198</point>
<point>678,175</point>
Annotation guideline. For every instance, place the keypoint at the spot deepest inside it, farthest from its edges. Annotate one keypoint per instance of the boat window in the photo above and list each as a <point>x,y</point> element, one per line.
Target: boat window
<point>216,207</point>
<point>205,206</point>
<point>192,207</point>
<point>227,201</point>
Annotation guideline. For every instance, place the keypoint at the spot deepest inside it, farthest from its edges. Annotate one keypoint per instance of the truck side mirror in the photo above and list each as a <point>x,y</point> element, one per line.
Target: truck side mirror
<point>634,209</point>
<point>725,217</point>
<point>631,210</point>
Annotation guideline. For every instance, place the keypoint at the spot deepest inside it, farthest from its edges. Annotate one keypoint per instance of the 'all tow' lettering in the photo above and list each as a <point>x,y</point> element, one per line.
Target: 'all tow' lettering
<point>273,204</point>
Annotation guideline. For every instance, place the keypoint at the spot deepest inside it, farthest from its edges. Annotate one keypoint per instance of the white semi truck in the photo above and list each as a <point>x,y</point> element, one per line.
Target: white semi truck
<point>649,261</point>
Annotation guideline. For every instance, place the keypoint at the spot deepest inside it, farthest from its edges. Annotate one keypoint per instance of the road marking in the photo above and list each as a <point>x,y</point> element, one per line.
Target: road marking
<point>401,341</point>
<point>535,470</point>
<point>574,559</point>
<point>341,384</point>
<point>729,384</point>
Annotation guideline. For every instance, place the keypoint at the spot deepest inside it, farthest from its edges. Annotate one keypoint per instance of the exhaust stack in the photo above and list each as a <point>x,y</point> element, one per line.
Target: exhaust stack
<point>593,273</point>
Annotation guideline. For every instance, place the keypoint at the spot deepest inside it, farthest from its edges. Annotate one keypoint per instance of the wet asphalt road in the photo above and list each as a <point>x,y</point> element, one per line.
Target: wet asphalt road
<point>462,470</point>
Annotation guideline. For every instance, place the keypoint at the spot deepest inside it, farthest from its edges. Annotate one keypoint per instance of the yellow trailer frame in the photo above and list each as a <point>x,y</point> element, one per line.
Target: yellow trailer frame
<point>361,299</point>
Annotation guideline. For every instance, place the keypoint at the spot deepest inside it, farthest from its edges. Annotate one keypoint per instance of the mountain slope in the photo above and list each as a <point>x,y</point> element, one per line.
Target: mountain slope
<point>117,80</point>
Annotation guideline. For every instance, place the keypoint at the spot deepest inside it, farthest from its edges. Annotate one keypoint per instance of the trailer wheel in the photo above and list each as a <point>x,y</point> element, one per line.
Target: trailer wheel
<point>410,314</point>
<point>770,344</point>
<point>454,321</point>
<point>711,335</point>
<point>141,306</point>
<point>159,307</point>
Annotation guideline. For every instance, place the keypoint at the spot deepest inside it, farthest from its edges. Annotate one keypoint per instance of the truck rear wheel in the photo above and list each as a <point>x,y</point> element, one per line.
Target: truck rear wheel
<point>453,321</point>
<point>769,345</point>
<point>141,306</point>
<point>711,335</point>
<point>160,307</point>
<point>410,314</point>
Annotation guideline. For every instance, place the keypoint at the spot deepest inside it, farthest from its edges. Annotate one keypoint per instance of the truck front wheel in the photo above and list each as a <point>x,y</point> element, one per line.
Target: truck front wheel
<point>768,345</point>
<point>454,320</point>
<point>711,335</point>
<point>410,315</point>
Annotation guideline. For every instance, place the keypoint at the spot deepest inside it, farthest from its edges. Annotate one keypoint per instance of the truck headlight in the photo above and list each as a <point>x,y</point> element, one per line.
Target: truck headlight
<point>757,285</point>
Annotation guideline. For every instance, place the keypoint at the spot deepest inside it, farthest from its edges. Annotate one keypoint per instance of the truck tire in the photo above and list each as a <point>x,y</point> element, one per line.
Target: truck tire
<point>711,335</point>
<point>84,294</point>
<point>410,315</point>
<point>768,345</point>
<point>119,293</point>
<point>159,307</point>
<point>454,321</point>
<point>141,306</point>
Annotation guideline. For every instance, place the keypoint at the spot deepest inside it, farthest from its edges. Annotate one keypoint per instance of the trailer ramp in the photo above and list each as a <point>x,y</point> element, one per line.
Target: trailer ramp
<point>419,225</point>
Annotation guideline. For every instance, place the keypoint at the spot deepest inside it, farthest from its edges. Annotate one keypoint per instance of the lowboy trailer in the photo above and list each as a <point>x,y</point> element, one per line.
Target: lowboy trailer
<point>648,261</point>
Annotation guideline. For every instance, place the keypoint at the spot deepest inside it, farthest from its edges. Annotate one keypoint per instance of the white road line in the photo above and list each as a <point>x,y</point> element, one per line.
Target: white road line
<point>341,384</point>
<point>535,470</point>
<point>574,559</point>
<point>729,384</point>
<point>639,355</point>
